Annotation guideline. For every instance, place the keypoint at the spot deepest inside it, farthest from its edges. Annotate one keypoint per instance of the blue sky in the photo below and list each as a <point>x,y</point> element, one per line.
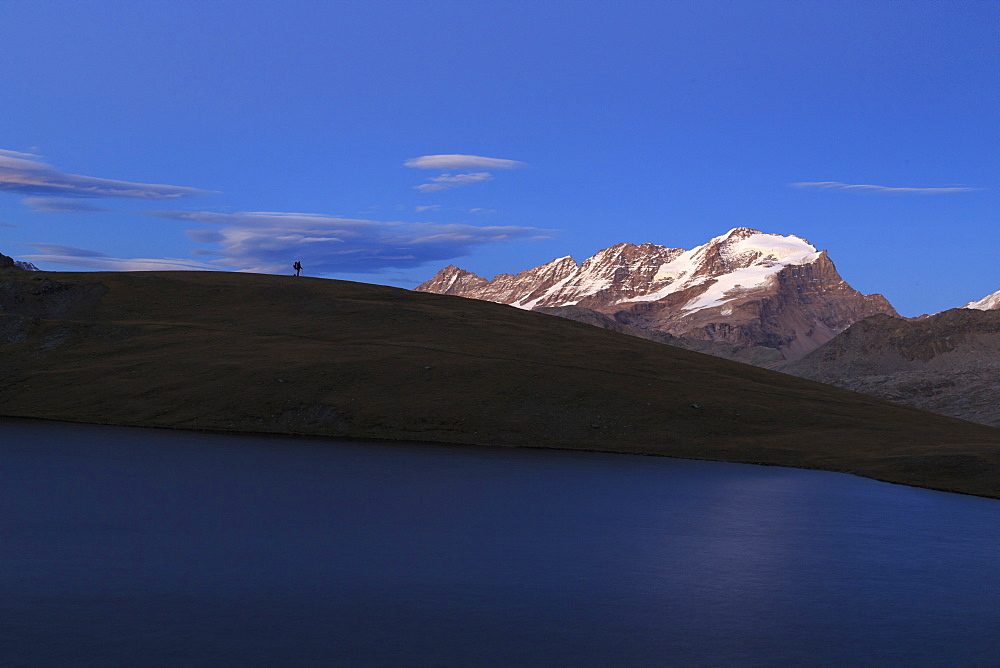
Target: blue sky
<point>276,131</point>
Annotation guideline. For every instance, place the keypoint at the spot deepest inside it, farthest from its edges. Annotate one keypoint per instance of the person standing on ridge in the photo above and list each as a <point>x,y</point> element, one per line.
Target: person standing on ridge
<point>297,267</point>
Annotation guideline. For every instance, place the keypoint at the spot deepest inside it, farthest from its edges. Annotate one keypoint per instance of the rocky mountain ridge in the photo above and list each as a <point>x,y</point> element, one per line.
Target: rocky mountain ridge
<point>948,363</point>
<point>745,288</point>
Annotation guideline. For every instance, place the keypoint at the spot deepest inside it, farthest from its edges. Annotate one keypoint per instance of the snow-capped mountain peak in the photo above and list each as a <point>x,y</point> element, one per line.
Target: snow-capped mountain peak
<point>739,275</point>
<point>742,260</point>
<point>987,303</point>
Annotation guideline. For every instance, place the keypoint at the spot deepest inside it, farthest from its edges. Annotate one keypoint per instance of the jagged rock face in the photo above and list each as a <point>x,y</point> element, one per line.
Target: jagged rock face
<point>801,308</point>
<point>745,288</point>
<point>615,274</point>
<point>6,262</point>
<point>987,303</point>
<point>454,281</point>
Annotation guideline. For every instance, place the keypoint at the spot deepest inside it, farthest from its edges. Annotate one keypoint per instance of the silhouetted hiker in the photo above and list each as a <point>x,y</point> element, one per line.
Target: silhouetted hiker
<point>297,267</point>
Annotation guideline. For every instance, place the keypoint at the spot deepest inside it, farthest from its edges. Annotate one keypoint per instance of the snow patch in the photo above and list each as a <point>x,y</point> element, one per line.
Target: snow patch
<point>768,254</point>
<point>757,257</point>
<point>731,286</point>
<point>987,303</point>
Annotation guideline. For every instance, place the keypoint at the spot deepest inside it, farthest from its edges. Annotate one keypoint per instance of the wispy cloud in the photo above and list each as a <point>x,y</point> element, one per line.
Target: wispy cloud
<point>480,211</point>
<point>268,242</point>
<point>26,174</point>
<point>837,185</point>
<point>449,181</point>
<point>66,251</point>
<point>59,205</point>
<point>456,161</point>
<point>88,259</point>
<point>3,224</point>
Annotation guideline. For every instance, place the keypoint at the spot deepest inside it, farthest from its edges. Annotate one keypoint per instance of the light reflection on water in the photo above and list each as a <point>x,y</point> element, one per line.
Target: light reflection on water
<point>146,547</point>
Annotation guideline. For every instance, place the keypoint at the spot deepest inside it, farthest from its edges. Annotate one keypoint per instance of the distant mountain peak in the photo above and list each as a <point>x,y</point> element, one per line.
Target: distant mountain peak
<point>11,263</point>
<point>740,233</point>
<point>988,303</point>
<point>745,287</point>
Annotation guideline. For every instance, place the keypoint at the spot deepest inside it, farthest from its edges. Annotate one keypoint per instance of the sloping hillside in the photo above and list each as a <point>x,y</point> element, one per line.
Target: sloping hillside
<point>297,355</point>
<point>948,363</point>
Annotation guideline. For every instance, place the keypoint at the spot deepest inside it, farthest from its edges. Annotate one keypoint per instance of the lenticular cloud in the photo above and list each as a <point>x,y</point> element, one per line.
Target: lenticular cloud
<point>449,181</point>
<point>88,259</point>
<point>25,173</point>
<point>837,185</point>
<point>458,161</point>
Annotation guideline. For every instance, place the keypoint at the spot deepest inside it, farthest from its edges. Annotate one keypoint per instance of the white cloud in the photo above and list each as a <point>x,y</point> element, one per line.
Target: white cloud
<point>449,181</point>
<point>26,174</point>
<point>836,185</point>
<point>17,154</point>
<point>268,242</point>
<point>88,259</point>
<point>437,207</point>
<point>457,161</point>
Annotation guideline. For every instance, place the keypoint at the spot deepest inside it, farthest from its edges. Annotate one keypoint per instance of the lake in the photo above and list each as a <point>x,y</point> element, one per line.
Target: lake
<point>132,547</point>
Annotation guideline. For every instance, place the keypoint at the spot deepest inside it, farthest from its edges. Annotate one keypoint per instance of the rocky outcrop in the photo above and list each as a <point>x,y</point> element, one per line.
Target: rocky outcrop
<point>948,363</point>
<point>11,263</point>
<point>744,288</point>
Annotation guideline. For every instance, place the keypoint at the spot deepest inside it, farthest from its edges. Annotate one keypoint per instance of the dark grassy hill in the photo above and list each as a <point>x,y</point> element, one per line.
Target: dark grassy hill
<point>298,355</point>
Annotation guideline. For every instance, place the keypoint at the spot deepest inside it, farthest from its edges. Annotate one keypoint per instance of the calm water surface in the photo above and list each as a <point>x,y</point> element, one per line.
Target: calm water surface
<point>143,547</point>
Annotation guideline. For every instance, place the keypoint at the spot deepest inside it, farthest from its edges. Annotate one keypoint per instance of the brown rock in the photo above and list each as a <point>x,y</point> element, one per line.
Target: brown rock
<point>948,363</point>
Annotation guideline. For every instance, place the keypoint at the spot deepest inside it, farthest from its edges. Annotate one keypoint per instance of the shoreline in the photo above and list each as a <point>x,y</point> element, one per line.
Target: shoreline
<point>332,439</point>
